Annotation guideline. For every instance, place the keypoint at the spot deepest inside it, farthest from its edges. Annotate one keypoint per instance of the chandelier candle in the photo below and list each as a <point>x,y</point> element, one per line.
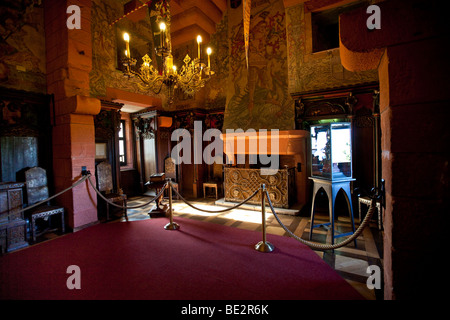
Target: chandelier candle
<point>169,64</point>
<point>162,27</point>
<point>126,37</point>
<point>190,77</point>
<point>209,51</point>
<point>199,42</point>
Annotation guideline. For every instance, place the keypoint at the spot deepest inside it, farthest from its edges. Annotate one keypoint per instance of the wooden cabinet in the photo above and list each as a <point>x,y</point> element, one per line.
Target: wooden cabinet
<point>13,227</point>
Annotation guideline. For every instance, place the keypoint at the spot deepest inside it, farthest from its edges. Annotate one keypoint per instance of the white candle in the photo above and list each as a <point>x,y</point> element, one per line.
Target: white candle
<point>126,37</point>
<point>209,51</point>
<point>199,41</point>
<point>162,27</point>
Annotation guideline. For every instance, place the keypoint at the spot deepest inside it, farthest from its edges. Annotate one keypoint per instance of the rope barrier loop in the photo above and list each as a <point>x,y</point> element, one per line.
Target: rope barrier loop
<point>86,176</point>
<point>122,206</point>
<point>54,196</point>
<point>264,194</point>
<point>217,211</point>
<point>317,246</point>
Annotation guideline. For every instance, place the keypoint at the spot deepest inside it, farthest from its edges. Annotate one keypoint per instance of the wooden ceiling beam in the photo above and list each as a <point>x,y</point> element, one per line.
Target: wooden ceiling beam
<point>221,4</point>
<point>207,7</point>
<point>188,34</point>
<point>192,16</point>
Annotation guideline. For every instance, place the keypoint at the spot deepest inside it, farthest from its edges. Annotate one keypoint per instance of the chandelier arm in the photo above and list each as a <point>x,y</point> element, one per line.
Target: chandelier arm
<point>193,84</point>
<point>197,85</point>
<point>152,86</point>
<point>190,79</point>
<point>160,88</point>
<point>148,84</point>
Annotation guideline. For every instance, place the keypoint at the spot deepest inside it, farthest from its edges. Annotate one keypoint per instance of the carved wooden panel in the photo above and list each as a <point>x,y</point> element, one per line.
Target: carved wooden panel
<point>107,123</point>
<point>241,183</point>
<point>15,204</point>
<point>170,168</point>
<point>363,118</point>
<point>2,241</point>
<point>11,201</point>
<point>16,234</point>
<point>3,207</point>
<point>145,127</point>
<point>104,177</point>
<point>37,189</point>
<point>12,225</point>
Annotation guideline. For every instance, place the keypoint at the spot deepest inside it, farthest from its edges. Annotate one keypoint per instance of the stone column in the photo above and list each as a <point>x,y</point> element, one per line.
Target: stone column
<point>69,61</point>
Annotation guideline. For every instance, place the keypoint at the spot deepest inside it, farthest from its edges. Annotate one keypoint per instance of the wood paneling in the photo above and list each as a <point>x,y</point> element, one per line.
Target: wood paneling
<point>25,132</point>
<point>17,153</point>
<point>129,180</point>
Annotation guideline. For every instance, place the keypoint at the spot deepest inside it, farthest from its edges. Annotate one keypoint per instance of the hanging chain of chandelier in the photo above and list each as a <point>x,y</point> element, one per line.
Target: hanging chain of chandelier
<point>191,77</point>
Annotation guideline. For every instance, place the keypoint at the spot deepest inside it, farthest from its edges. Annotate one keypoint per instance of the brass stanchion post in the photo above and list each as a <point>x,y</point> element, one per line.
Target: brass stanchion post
<point>171,225</point>
<point>264,246</point>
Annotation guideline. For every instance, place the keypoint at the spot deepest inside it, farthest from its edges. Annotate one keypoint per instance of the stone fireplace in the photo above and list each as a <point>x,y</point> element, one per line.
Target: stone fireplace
<point>287,184</point>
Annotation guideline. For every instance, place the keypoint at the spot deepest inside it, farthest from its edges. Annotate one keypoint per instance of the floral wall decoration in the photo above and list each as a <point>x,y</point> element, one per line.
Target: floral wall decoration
<point>257,96</point>
<point>22,45</point>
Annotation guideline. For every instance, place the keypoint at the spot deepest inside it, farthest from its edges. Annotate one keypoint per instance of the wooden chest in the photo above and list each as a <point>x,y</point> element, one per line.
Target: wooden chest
<point>13,228</point>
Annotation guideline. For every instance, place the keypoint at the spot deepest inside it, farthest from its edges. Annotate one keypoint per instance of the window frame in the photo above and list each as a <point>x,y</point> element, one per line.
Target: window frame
<point>124,139</point>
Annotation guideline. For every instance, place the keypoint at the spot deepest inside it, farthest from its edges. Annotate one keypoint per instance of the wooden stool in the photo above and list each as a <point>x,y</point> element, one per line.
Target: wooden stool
<point>37,191</point>
<point>210,185</point>
<point>45,211</point>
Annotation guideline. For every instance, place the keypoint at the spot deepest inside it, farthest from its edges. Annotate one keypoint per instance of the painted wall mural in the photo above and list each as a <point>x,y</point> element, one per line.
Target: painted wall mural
<point>22,45</point>
<point>216,94</point>
<point>107,45</point>
<point>315,71</point>
<point>257,97</point>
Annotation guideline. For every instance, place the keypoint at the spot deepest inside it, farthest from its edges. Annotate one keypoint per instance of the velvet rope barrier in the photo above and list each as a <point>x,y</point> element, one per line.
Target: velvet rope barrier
<point>312,245</point>
<point>126,207</point>
<point>87,177</point>
<point>54,196</point>
<point>317,246</point>
<point>213,211</point>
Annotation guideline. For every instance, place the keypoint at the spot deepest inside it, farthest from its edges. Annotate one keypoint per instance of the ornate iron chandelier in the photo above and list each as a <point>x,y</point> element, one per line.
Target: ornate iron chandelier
<point>191,77</point>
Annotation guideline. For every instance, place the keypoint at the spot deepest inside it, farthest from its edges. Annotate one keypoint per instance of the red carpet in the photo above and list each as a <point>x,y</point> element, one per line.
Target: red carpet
<point>140,260</point>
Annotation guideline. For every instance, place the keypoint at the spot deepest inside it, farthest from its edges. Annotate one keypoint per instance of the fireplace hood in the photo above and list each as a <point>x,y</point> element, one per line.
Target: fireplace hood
<point>293,150</point>
<point>290,142</point>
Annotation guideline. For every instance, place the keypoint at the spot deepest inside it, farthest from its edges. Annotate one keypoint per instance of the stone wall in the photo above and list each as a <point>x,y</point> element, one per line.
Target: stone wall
<point>414,101</point>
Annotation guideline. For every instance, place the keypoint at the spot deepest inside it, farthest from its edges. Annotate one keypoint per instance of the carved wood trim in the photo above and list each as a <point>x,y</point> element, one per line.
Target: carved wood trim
<point>241,183</point>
